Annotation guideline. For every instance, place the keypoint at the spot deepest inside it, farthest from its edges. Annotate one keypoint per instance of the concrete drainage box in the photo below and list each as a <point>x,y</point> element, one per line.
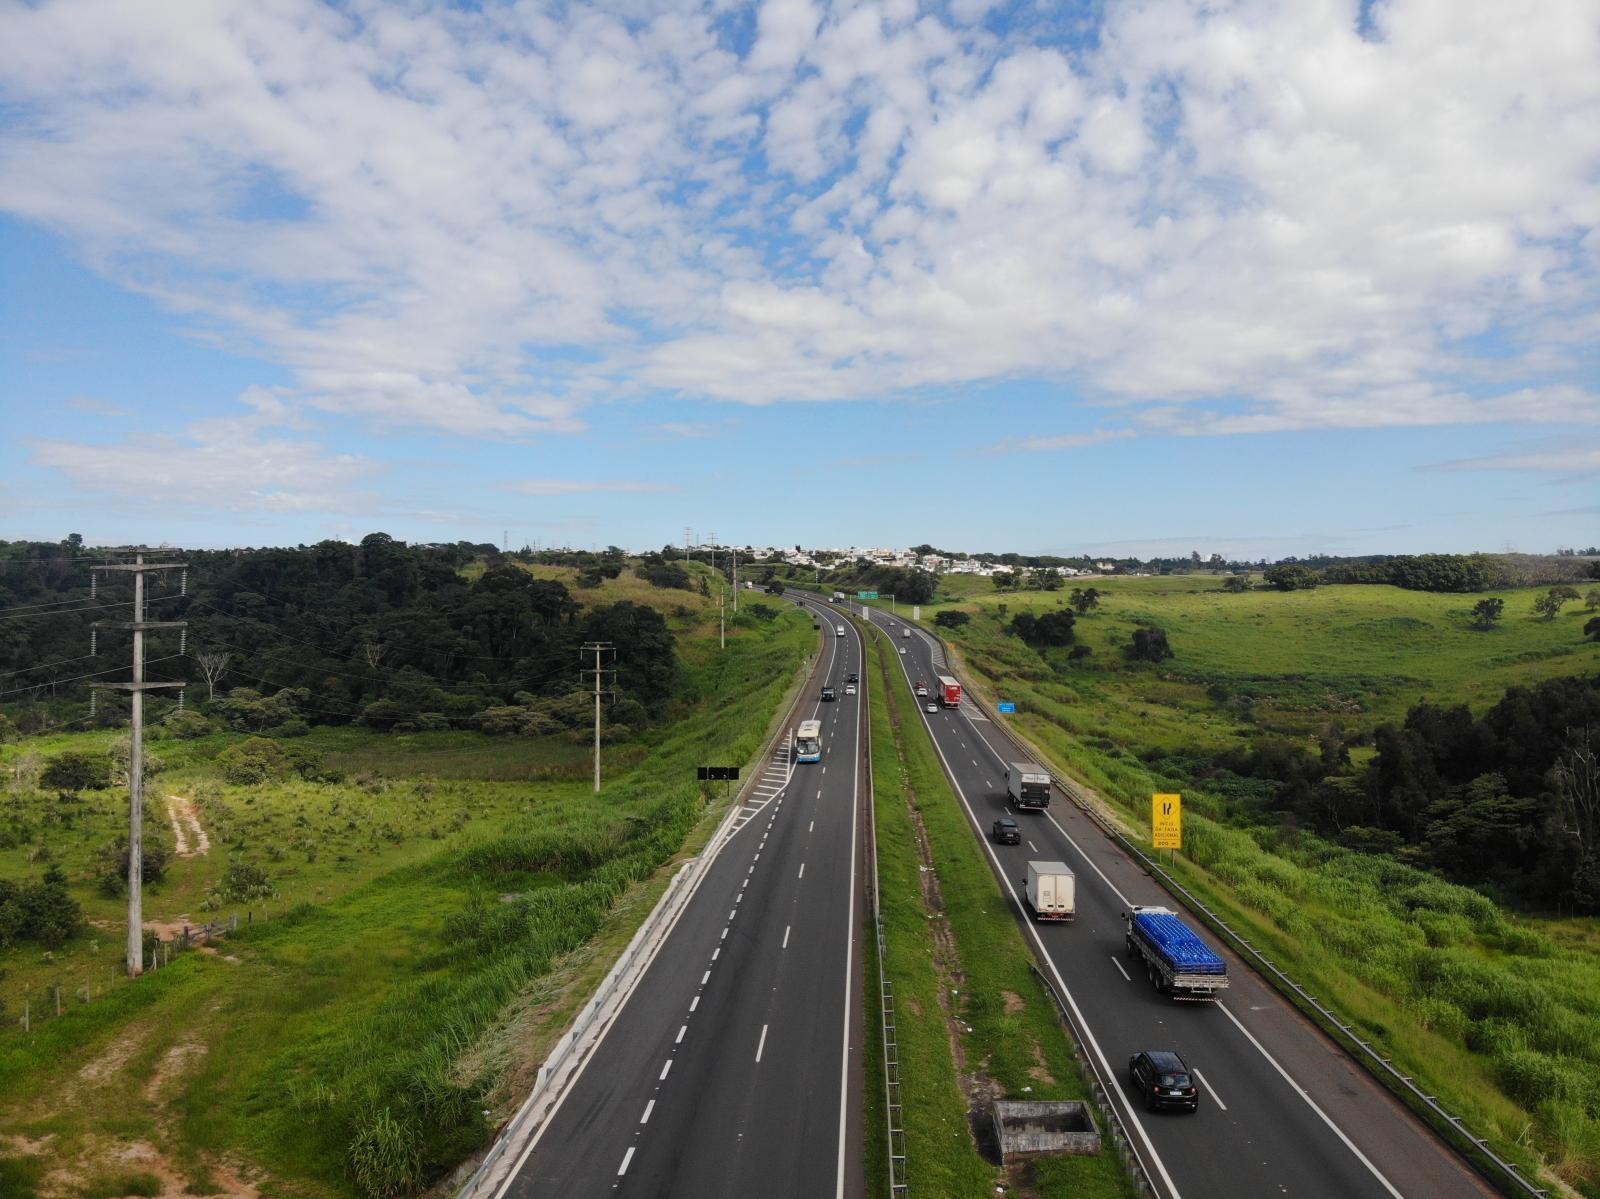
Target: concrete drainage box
<point>1040,1129</point>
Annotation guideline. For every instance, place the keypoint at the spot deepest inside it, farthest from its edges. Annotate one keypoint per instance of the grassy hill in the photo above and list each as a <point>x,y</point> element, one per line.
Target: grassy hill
<point>431,922</point>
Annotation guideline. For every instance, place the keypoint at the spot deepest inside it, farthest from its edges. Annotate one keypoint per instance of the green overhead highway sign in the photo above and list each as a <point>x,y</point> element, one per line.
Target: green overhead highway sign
<point>866,595</point>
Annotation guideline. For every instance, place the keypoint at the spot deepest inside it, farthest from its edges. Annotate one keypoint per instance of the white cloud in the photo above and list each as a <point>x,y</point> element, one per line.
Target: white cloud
<point>1220,217</point>
<point>584,486</point>
<point>1566,460</point>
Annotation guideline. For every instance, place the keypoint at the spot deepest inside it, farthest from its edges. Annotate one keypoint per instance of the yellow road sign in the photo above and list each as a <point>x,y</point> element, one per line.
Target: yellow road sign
<point>1166,821</point>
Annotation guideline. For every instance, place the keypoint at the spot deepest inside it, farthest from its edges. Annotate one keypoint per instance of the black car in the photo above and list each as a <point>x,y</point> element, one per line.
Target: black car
<point>1006,832</point>
<point>1160,1076</point>
<point>854,678</point>
<point>827,693</point>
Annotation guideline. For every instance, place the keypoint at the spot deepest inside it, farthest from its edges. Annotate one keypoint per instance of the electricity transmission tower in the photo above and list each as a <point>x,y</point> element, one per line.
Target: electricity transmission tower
<point>138,626</point>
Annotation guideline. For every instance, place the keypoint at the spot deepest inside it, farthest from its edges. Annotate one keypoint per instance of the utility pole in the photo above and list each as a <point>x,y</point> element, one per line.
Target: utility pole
<point>722,621</point>
<point>735,580</point>
<point>138,626</point>
<point>598,648</point>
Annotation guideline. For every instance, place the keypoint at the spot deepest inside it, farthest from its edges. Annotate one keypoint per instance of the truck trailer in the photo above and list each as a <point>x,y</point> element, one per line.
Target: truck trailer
<point>949,692</point>
<point>1177,962</point>
<point>1028,786</point>
<point>1051,890</point>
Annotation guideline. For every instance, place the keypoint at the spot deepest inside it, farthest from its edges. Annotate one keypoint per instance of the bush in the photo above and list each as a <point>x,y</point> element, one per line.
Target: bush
<point>1149,644</point>
<point>76,770</point>
<point>41,911</point>
<point>250,762</point>
<point>951,618</point>
<point>243,881</point>
<point>386,1155</point>
<point>186,726</point>
<point>111,863</point>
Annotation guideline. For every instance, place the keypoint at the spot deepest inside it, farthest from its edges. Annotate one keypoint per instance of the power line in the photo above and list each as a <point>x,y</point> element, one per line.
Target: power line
<point>45,666</point>
<point>75,678</point>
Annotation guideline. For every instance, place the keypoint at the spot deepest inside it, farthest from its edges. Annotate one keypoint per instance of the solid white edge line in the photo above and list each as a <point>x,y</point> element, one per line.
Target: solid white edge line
<point>1125,977</point>
<point>626,1158</point>
<point>762,1043</point>
<point>1210,1090</point>
<point>1310,1102</point>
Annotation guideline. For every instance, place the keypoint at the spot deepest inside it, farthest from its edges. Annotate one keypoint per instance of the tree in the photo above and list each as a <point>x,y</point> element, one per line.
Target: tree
<point>213,664</point>
<point>1591,600</point>
<point>1050,629</point>
<point>1290,576</point>
<point>1486,613</point>
<point>1592,628</point>
<point>1149,644</point>
<point>75,770</point>
<point>1006,580</point>
<point>951,618</point>
<point>1235,584</point>
<point>1549,604</point>
<point>1084,600</point>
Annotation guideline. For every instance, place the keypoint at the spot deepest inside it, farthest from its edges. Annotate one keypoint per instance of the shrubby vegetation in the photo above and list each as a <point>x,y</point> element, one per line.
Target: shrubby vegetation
<point>41,912</point>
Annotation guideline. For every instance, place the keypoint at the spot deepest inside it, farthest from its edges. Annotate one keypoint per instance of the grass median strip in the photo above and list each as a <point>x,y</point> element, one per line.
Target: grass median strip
<point>974,1025</point>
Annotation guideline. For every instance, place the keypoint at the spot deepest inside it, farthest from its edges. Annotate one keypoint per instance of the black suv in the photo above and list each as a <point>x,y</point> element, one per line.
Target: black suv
<point>853,678</point>
<point>1164,1081</point>
<point>1006,832</point>
<point>827,693</point>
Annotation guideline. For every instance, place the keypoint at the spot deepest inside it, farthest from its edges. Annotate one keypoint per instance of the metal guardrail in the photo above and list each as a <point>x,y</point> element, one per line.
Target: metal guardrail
<point>1452,1128</point>
<point>665,911</point>
<point>894,1112</point>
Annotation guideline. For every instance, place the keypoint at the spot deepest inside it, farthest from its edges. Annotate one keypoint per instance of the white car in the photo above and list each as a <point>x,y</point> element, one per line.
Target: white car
<point>849,688</point>
<point>931,706</point>
<point>902,649</point>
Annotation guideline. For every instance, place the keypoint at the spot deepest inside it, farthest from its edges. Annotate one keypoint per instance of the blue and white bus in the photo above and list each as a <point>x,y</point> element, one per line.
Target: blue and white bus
<point>808,741</point>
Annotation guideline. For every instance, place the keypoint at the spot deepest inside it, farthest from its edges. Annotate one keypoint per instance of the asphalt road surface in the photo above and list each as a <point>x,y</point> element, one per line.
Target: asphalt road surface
<point>734,1068</point>
<point>1283,1112</point>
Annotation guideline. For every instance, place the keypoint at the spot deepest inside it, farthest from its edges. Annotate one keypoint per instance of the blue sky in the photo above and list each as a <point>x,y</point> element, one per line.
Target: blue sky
<point>1178,276</point>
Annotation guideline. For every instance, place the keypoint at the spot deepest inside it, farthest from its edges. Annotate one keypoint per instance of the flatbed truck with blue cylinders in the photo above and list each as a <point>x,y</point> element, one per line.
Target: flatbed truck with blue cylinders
<point>1177,962</point>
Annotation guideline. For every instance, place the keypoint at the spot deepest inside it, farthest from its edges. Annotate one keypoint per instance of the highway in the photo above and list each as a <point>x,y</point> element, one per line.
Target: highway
<point>734,1067</point>
<point>1283,1110</point>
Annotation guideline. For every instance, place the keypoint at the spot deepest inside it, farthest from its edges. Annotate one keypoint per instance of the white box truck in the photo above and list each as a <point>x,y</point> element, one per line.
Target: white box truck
<point>1027,786</point>
<point>1051,891</point>
<point>840,633</point>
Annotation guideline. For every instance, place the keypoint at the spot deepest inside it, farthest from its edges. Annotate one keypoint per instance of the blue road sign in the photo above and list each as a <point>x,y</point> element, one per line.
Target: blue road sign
<point>1007,706</point>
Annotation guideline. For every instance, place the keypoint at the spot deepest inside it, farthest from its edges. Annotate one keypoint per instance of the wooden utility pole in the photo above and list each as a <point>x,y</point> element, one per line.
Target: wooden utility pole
<point>138,626</point>
<point>598,648</point>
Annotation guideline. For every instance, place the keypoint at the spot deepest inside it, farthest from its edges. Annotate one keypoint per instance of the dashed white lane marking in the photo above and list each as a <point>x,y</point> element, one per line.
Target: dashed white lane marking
<point>682,1028</point>
<point>1311,1103</point>
<point>704,978</point>
<point>811,827</point>
<point>664,1070</point>
<point>819,794</point>
<point>732,912</point>
<point>802,873</point>
<point>754,860</point>
<point>786,929</point>
<point>694,1003</point>
<point>762,1044</point>
<point>724,935</point>
<point>651,1106</point>
<point>1211,1090</point>
<point>716,953</point>
<point>752,869</point>
<point>1126,979</point>
<point>1033,847</point>
<point>626,1158</point>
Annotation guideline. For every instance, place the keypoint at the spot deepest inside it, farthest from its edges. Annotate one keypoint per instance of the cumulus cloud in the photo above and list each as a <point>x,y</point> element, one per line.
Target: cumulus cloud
<point>1217,217</point>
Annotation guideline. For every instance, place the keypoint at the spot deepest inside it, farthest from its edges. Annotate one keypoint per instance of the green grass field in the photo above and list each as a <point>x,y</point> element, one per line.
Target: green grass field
<point>438,918</point>
<point>1492,1010</point>
<point>969,1009</point>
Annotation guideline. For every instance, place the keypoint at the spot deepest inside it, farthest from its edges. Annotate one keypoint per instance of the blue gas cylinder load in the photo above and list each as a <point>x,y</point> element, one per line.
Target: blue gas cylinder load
<point>1172,937</point>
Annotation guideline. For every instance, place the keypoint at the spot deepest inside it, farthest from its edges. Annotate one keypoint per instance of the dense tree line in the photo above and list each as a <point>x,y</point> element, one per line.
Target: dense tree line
<point>1510,799</point>
<point>385,633</point>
